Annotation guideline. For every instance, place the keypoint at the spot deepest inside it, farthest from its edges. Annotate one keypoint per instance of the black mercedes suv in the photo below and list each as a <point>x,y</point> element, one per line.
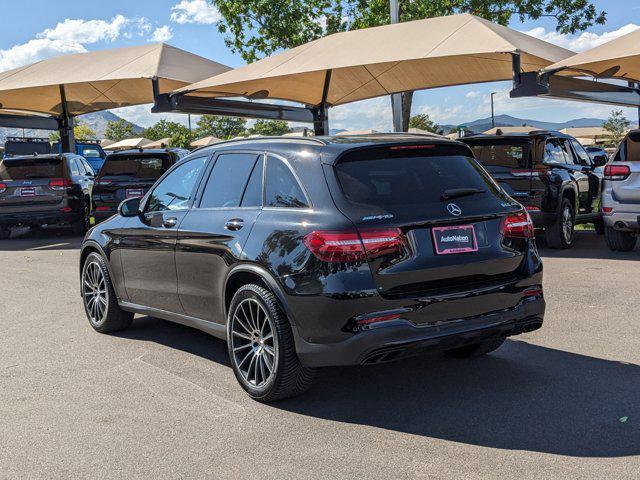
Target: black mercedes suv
<point>38,190</point>
<point>311,252</point>
<point>129,173</point>
<point>548,172</point>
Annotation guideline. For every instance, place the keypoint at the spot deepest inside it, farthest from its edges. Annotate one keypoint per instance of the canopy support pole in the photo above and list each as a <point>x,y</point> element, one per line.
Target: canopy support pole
<point>321,113</point>
<point>65,126</point>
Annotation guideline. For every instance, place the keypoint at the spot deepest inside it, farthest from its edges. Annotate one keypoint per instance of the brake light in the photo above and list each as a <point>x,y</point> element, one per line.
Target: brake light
<point>59,184</point>
<point>102,209</point>
<point>607,210</point>
<point>3,187</point>
<point>412,147</point>
<point>531,208</point>
<point>350,246</point>
<point>66,209</point>
<point>535,172</point>
<point>616,172</point>
<point>517,225</point>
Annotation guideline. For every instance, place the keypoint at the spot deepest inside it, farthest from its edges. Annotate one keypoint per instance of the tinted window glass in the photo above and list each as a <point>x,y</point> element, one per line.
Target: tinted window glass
<point>253,193</point>
<point>23,168</point>
<point>227,180</point>
<point>582,154</point>
<point>176,189</point>
<point>281,187</point>
<point>73,165</point>
<point>402,181</point>
<point>148,167</point>
<point>568,154</point>
<point>89,152</point>
<point>500,153</point>
<point>553,152</point>
<point>87,167</point>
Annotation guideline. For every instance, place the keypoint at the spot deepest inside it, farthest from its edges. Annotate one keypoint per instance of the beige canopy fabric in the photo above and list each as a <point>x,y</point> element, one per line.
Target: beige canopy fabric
<point>436,52</point>
<point>619,58</point>
<point>102,79</point>
<point>205,141</point>
<point>128,143</point>
<point>162,143</point>
<point>586,132</point>
<point>515,129</point>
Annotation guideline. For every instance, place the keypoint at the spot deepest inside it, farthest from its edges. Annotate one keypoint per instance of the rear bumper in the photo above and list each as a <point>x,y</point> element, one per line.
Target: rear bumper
<point>623,220</point>
<point>400,338</point>
<point>35,219</point>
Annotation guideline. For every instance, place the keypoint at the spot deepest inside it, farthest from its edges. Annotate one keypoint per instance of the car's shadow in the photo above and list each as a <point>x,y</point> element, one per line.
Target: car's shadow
<point>23,239</point>
<point>587,244</point>
<point>522,397</point>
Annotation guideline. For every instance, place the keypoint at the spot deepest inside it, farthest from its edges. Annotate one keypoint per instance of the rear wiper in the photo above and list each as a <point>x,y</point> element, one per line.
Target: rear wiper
<point>459,192</point>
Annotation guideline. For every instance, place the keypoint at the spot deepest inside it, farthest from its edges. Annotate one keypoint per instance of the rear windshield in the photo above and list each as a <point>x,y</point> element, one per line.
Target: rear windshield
<point>23,168</point>
<point>502,153</point>
<point>138,166</point>
<point>398,179</point>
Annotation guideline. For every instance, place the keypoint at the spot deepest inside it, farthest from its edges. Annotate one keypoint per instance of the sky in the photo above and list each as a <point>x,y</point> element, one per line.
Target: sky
<point>36,29</point>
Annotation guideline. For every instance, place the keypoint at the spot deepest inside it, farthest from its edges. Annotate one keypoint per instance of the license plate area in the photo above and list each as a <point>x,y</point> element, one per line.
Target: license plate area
<point>134,192</point>
<point>454,239</point>
<point>28,192</point>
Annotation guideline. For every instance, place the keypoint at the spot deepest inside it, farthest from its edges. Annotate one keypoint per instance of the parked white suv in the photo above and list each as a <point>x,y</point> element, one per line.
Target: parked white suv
<point>621,195</point>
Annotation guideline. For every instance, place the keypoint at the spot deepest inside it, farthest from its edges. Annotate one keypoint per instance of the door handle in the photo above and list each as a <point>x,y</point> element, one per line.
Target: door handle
<point>170,222</point>
<point>234,224</point>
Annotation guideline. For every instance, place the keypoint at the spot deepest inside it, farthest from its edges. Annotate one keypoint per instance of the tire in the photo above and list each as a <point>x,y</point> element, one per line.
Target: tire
<point>562,232</point>
<point>619,241</point>
<point>105,316</point>
<point>81,226</point>
<point>599,227</point>
<point>253,312</point>
<point>5,233</point>
<point>476,349</point>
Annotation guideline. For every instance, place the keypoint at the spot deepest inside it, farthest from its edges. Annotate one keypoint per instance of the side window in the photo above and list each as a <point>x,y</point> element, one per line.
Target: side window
<point>227,180</point>
<point>73,165</point>
<point>253,193</point>
<point>553,152</point>
<point>177,188</point>
<point>281,187</point>
<point>570,159</point>
<point>583,156</point>
<point>87,167</point>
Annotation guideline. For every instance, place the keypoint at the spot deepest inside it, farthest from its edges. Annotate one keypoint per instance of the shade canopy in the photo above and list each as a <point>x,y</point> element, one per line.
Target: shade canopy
<point>101,80</point>
<point>129,143</point>
<point>619,58</point>
<point>162,143</point>
<point>205,141</point>
<point>511,129</point>
<point>435,52</point>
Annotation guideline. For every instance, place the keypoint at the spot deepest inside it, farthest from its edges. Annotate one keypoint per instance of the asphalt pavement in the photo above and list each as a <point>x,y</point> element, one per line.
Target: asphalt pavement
<point>160,400</point>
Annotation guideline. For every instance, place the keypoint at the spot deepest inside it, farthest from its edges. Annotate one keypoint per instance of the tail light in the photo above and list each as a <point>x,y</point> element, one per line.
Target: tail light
<point>616,172</point>
<point>532,208</point>
<point>517,225</point>
<point>3,187</point>
<point>59,184</point>
<point>102,208</point>
<point>533,172</point>
<point>607,210</point>
<point>350,246</point>
<point>66,209</point>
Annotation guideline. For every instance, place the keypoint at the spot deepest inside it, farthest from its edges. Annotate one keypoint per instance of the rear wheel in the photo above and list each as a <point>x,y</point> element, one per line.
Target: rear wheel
<point>82,225</point>
<point>599,227</point>
<point>5,233</point>
<point>476,349</point>
<point>561,233</point>
<point>619,241</point>
<point>261,347</point>
<point>99,297</point>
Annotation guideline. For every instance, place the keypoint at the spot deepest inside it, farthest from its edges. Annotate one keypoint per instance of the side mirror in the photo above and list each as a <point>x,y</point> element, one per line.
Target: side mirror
<point>129,207</point>
<point>599,160</point>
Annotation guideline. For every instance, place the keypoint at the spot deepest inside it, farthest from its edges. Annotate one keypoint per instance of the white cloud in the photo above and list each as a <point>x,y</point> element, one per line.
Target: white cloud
<point>161,34</point>
<point>195,11</point>
<point>367,114</point>
<point>85,31</point>
<point>473,94</point>
<point>584,41</point>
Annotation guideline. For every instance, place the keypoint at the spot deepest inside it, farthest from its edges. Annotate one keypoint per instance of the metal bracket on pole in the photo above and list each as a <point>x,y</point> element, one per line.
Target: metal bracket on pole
<point>65,125</point>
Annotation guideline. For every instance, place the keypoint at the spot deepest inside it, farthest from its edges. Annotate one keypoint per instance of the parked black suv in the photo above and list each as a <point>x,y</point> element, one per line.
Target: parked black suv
<point>127,174</point>
<point>45,189</point>
<point>324,251</point>
<point>550,173</point>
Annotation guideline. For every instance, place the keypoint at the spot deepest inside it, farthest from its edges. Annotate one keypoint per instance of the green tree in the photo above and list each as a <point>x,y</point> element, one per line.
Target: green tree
<point>423,122</point>
<point>269,128</point>
<point>255,28</point>
<point>616,126</point>
<point>81,131</point>
<point>221,127</point>
<point>178,134</point>
<point>119,130</point>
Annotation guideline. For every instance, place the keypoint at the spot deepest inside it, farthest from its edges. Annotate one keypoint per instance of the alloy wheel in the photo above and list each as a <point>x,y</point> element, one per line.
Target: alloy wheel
<point>254,350</point>
<point>567,224</point>
<point>94,292</point>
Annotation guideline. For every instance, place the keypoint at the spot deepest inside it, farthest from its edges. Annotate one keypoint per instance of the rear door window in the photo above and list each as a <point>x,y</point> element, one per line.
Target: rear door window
<point>227,180</point>
<point>141,167</point>
<point>253,193</point>
<point>281,186</point>
<point>26,168</point>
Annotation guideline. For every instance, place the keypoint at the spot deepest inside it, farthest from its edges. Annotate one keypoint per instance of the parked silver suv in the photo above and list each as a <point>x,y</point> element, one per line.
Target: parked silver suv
<point>621,195</point>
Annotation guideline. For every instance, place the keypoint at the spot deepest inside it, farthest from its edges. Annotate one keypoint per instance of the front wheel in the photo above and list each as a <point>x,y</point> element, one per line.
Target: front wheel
<point>261,347</point>
<point>99,297</point>
<point>619,241</point>
<point>561,233</point>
